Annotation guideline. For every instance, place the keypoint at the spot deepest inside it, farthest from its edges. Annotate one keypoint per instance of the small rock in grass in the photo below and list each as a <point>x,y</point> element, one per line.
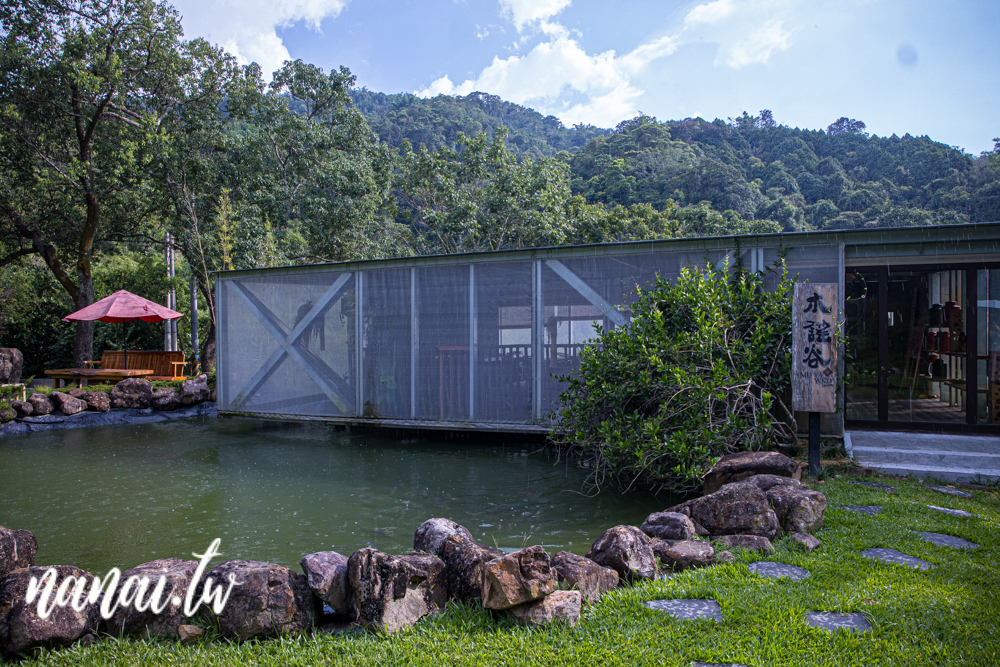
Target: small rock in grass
<point>431,534</point>
<point>40,404</point>
<point>394,592</point>
<point>746,542</point>
<point>947,540</point>
<point>326,573</point>
<point>799,510</point>
<point>953,512</point>
<point>949,491</point>
<point>773,570</point>
<point>669,526</point>
<point>688,610</point>
<point>807,542</point>
<point>687,554</point>
<point>627,551</point>
<point>584,575</point>
<point>826,620</point>
<point>724,557</point>
<point>516,578</point>
<point>189,634</point>
<point>560,606</point>
<point>895,557</point>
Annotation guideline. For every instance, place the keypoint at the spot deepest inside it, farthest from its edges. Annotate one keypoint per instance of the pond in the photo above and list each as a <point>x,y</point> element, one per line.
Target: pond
<point>123,495</point>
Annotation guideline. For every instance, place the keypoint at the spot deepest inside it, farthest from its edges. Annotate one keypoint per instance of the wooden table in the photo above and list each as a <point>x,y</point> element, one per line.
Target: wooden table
<point>94,375</point>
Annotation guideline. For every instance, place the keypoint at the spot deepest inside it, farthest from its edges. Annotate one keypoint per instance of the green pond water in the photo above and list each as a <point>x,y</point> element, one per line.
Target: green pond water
<point>122,495</point>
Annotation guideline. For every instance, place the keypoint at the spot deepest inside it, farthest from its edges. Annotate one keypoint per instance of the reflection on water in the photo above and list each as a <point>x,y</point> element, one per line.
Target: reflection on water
<point>123,495</point>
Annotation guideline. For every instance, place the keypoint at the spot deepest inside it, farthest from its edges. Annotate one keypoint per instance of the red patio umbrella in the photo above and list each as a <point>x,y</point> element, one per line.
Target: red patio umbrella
<point>123,306</point>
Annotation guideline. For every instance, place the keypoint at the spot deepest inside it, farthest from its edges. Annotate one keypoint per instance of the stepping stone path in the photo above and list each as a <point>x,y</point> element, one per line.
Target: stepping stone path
<point>871,510</point>
<point>688,610</point>
<point>828,620</point>
<point>948,510</point>
<point>896,558</point>
<point>876,485</point>
<point>773,570</point>
<point>947,540</point>
<point>948,491</point>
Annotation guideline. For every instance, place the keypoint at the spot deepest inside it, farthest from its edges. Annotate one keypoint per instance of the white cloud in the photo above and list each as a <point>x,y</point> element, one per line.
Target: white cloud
<point>525,12</point>
<point>246,28</point>
<point>757,47</point>
<point>557,72</point>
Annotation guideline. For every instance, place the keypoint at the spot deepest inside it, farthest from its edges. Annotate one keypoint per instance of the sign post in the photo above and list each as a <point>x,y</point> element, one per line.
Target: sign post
<point>814,357</point>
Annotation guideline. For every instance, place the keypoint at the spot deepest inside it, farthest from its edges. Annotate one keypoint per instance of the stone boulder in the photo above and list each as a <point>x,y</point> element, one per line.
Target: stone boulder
<point>669,526</point>
<point>746,542</point>
<point>739,466</point>
<point>40,404</point>
<point>517,578</point>
<point>17,550</point>
<point>133,393</point>
<point>686,554</point>
<point>558,607</point>
<point>394,592</point>
<point>431,534</point>
<point>22,408</point>
<point>11,363</point>
<point>189,634</point>
<point>22,629</point>
<point>464,560</point>
<point>767,482</point>
<point>627,551</point>
<point>735,509</point>
<point>165,399</point>
<point>97,401</point>
<point>584,575</point>
<point>67,404</point>
<point>77,392</point>
<point>194,390</point>
<point>807,542</point>
<point>271,600</point>
<point>326,572</point>
<point>177,574</point>
<point>799,510</point>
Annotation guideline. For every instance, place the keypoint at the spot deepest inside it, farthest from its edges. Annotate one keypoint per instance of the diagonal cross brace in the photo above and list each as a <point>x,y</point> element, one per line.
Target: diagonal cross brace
<point>587,292</point>
<point>320,373</point>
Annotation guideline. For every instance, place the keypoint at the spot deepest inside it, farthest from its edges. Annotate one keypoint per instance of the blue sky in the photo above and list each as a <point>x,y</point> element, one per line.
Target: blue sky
<point>898,65</point>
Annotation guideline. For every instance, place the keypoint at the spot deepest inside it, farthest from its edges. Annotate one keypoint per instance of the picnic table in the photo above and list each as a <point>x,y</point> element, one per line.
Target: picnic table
<point>94,375</point>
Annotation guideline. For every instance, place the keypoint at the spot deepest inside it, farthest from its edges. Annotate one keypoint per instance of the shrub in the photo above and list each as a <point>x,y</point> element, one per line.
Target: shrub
<point>697,373</point>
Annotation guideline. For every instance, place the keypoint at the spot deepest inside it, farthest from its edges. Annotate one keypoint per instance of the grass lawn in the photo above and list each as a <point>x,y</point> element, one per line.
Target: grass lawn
<point>948,615</point>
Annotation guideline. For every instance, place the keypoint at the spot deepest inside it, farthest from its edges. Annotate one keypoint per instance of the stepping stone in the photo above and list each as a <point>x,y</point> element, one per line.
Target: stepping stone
<point>876,485</point>
<point>828,620</point>
<point>773,570</point>
<point>896,558</point>
<point>948,510</point>
<point>947,540</point>
<point>688,610</point>
<point>717,664</point>
<point>870,510</point>
<point>948,491</point>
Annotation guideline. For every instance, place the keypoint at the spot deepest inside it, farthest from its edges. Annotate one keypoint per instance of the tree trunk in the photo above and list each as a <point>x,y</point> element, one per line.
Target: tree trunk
<point>208,349</point>
<point>83,342</point>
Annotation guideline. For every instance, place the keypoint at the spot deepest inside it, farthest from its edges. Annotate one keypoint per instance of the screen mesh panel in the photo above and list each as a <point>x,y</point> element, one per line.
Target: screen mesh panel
<point>387,352</point>
<point>443,327</point>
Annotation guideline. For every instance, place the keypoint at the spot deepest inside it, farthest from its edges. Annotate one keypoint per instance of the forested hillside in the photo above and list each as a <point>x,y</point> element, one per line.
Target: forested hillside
<point>837,178</point>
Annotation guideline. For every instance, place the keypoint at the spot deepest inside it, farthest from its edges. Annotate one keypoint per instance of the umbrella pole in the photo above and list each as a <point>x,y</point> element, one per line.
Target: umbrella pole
<point>125,343</point>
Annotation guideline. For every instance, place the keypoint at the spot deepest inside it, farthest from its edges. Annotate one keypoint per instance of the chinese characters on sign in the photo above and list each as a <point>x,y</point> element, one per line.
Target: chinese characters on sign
<point>814,347</point>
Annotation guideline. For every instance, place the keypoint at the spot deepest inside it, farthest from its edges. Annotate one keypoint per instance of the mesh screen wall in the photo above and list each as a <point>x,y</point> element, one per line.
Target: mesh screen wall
<point>479,341</point>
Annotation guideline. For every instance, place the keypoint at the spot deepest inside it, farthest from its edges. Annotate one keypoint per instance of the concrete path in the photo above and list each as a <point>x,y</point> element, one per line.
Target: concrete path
<point>945,457</point>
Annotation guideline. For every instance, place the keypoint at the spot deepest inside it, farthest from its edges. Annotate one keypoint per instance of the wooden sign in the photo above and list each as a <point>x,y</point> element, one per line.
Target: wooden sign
<point>814,347</point>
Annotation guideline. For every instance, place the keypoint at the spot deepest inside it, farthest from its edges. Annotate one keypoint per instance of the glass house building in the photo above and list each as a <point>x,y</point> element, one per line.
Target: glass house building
<point>479,340</point>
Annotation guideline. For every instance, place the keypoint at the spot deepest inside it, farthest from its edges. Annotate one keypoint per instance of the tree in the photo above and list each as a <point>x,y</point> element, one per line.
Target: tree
<point>846,125</point>
<point>480,197</point>
<point>83,88</point>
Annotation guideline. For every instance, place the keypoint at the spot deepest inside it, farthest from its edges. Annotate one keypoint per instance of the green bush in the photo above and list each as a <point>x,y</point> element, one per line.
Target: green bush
<point>698,373</point>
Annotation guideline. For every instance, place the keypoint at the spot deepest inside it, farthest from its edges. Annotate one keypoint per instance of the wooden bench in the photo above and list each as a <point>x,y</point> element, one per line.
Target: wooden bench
<point>94,375</point>
<point>165,365</point>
